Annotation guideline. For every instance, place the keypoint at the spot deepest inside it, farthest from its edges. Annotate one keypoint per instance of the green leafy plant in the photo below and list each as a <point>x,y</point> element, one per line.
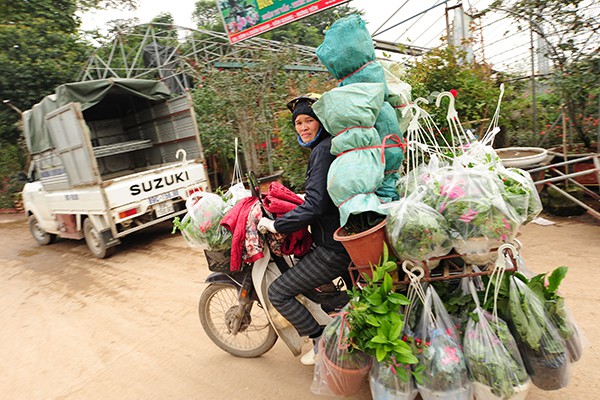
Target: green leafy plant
<point>376,323</point>
<point>492,354</point>
<point>201,225</point>
<point>471,218</point>
<point>520,193</point>
<point>417,231</point>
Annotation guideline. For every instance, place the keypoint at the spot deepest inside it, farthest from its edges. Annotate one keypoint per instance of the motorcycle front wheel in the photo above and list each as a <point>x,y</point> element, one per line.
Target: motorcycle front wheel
<point>218,309</point>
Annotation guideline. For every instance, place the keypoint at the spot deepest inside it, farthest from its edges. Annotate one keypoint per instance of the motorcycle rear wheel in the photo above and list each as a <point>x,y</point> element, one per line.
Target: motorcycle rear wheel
<point>255,337</point>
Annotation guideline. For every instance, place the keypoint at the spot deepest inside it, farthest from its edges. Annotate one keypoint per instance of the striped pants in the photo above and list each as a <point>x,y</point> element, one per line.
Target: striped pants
<point>319,267</point>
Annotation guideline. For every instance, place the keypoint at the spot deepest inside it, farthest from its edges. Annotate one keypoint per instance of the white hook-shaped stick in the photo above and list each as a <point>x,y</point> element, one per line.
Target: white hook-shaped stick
<point>415,112</point>
<point>415,273</point>
<point>183,156</point>
<point>452,114</point>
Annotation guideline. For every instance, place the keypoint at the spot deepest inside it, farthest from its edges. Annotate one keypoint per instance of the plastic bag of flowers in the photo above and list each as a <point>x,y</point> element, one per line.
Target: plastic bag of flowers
<point>416,231</point>
<point>519,191</point>
<point>547,287</point>
<point>494,362</point>
<point>542,348</point>
<point>385,383</point>
<point>340,369</point>
<point>445,374</point>
<point>472,203</point>
<point>200,225</point>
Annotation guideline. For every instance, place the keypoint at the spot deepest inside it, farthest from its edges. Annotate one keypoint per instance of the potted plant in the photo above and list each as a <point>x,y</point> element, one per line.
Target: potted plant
<point>557,309</point>
<point>478,226</point>
<point>416,231</point>
<point>492,356</point>
<point>387,384</point>
<point>200,225</point>
<point>519,192</point>
<point>472,203</point>
<point>543,350</point>
<point>445,373</point>
<point>341,369</point>
<point>376,325</point>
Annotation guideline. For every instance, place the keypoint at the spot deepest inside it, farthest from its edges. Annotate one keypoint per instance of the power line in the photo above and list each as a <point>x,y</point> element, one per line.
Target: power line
<point>386,21</point>
<point>421,16</point>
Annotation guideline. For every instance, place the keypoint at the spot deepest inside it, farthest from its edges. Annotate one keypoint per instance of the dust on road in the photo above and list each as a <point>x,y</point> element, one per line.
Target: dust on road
<point>75,327</point>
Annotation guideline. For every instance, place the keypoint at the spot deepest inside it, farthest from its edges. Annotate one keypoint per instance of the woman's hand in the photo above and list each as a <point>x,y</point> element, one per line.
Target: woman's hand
<point>266,224</point>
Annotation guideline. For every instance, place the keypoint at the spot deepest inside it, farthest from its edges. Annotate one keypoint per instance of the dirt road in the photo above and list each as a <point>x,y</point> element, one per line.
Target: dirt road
<point>74,327</point>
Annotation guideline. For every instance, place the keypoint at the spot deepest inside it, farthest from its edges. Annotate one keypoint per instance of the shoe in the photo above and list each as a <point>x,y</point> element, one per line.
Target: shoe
<point>309,358</point>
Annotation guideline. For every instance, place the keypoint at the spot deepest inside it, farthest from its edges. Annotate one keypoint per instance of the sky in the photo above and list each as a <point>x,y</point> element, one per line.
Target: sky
<point>376,12</point>
<point>412,28</point>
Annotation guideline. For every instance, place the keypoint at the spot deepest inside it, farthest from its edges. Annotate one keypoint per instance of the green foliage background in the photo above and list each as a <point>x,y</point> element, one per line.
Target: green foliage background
<point>42,47</point>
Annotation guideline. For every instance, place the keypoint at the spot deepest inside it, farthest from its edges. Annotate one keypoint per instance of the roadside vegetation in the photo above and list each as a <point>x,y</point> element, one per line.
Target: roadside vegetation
<point>43,47</point>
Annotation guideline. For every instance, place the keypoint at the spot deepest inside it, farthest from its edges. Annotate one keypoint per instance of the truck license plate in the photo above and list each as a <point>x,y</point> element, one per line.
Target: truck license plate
<point>164,208</point>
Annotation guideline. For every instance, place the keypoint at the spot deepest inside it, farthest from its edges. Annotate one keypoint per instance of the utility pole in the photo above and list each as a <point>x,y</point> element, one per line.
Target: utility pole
<point>533,94</point>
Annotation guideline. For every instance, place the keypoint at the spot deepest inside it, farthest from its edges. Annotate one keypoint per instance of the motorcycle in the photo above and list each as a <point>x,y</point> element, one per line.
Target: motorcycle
<point>237,316</point>
<point>234,308</point>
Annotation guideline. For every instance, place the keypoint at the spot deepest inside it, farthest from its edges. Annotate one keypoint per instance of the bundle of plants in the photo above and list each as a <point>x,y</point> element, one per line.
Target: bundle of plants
<point>546,286</point>
<point>376,324</point>
<point>519,192</point>
<point>479,218</point>
<point>385,383</point>
<point>341,369</point>
<point>541,346</point>
<point>445,373</point>
<point>416,231</point>
<point>200,225</point>
<point>457,300</point>
<point>494,362</point>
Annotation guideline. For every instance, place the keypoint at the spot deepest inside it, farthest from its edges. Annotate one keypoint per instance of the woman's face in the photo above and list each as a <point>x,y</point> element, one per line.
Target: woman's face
<point>307,127</point>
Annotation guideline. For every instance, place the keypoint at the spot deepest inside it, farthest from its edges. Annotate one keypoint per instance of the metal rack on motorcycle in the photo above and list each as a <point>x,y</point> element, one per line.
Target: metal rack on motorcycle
<point>448,267</point>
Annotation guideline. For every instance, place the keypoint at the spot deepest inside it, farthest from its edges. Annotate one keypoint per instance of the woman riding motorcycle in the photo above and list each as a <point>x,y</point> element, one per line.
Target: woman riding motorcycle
<point>328,260</point>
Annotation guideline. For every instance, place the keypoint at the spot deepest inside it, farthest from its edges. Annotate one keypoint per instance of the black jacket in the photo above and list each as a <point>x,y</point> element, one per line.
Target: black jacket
<point>318,209</point>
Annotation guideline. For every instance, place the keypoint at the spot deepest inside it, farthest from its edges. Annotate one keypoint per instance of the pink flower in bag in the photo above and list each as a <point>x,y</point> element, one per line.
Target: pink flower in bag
<point>468,216</point>
<point>452,191</point>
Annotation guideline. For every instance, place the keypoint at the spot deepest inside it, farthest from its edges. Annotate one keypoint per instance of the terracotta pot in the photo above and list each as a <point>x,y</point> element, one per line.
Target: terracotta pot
<point>341,381</point>
<point>365,248</point>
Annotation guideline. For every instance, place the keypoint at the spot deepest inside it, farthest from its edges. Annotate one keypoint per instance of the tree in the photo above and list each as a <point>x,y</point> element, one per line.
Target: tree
<point>206,16</point>
<point>40,48</point>
<point>569,28</point>
<point>444,69</point>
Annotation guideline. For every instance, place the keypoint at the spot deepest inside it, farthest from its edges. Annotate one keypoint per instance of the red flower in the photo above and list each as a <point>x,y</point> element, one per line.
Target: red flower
<point>454,92</point>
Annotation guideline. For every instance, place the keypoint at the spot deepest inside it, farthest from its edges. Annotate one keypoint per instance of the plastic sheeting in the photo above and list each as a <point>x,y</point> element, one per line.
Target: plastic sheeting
<point>349,54</point>
<point>349,113</point>
<point>89,94</point>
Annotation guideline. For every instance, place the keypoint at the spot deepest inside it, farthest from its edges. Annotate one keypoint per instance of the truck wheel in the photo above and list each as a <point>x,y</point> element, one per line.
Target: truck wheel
<point>40,235</point>
<point>94,240</point>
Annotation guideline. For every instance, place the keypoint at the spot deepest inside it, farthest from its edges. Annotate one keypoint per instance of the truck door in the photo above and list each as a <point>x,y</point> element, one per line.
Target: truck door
<point>70,135</point>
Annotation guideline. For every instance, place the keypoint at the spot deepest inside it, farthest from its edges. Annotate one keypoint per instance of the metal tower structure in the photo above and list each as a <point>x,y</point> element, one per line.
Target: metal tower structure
<point>175,54</point>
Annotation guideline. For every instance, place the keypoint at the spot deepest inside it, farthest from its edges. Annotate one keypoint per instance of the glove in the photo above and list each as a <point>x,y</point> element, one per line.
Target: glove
<point>266,224</point>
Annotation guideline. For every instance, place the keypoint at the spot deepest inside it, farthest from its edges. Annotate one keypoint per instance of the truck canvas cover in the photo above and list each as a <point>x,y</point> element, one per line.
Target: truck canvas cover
<point>89,94</point>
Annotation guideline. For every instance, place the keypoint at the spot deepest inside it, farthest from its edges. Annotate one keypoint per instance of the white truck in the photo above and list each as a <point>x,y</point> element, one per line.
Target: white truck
<point>108,158</point>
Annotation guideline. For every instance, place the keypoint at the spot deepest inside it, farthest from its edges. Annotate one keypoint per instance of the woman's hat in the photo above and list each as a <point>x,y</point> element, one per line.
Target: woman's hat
<point>303,105</point>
